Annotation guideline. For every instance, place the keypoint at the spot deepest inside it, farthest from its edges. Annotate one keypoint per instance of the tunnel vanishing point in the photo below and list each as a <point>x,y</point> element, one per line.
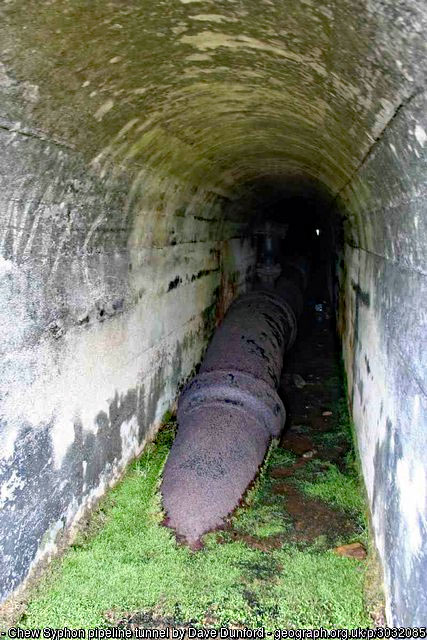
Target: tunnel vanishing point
<point>140,145</point>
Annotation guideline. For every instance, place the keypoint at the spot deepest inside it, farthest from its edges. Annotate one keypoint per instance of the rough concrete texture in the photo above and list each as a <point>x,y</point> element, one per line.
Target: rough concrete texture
<point>131,137</point>
<point>227,416</point>
<point>97,332</point>
<point>384,326</point>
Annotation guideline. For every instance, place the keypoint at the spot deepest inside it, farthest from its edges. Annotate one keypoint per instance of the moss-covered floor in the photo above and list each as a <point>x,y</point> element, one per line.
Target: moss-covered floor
<point>254,574</point>
<point>274,565</point>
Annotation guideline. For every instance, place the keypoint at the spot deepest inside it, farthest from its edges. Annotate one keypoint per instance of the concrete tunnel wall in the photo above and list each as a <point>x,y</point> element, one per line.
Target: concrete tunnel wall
<point>130,134</point>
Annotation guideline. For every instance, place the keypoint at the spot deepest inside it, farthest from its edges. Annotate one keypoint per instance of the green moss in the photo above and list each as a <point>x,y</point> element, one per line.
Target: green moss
<point>324,480</point>
<point>168,417</point>
<point>127,562</point>
<point>336,488</point>
<point>263,521</point>
<point>209,316</point>
<point>262,514</point>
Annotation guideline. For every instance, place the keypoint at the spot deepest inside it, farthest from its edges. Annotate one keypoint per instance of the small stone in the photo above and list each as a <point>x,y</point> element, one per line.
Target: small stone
<point>299,381</point>
<point>326,413</point>
<point>353,550</point>
<point>309,454</point>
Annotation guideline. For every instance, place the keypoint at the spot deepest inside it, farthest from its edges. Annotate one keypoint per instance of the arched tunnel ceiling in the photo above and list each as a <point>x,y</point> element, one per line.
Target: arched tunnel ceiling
<point>214,93</point>
<point>122,122</point>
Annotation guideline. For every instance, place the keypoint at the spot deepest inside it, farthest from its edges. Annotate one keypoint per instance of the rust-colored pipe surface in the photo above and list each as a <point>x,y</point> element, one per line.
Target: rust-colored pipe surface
<point>228,414</point>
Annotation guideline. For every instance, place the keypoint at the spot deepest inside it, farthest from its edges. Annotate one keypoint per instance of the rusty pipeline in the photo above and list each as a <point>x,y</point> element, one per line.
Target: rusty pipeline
<point>229,412</point>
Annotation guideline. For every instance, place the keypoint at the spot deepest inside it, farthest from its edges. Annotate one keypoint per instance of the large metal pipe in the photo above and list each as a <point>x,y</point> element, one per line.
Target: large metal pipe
<point>228,414</point>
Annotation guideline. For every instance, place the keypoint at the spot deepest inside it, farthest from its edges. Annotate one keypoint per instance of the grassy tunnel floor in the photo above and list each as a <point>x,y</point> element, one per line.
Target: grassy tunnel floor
<point>127,567</point>
<point>274,565</point>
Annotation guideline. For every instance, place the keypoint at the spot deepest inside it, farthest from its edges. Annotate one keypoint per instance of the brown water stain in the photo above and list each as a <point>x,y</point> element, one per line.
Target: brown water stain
<point>313,518</point>
<point>262,544</point>
<point>297,443</point>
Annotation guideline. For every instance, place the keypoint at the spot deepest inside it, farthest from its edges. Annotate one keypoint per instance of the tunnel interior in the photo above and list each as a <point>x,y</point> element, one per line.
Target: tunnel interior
<point>302,213</point>
<point>141,148</point>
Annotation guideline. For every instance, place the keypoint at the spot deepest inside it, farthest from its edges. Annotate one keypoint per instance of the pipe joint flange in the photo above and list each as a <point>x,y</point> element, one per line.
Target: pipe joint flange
<point>238,391</point>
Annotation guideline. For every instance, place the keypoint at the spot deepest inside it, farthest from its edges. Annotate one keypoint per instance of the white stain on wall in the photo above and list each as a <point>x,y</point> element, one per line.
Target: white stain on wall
<point>420,135</point>
<point>412,483</point>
